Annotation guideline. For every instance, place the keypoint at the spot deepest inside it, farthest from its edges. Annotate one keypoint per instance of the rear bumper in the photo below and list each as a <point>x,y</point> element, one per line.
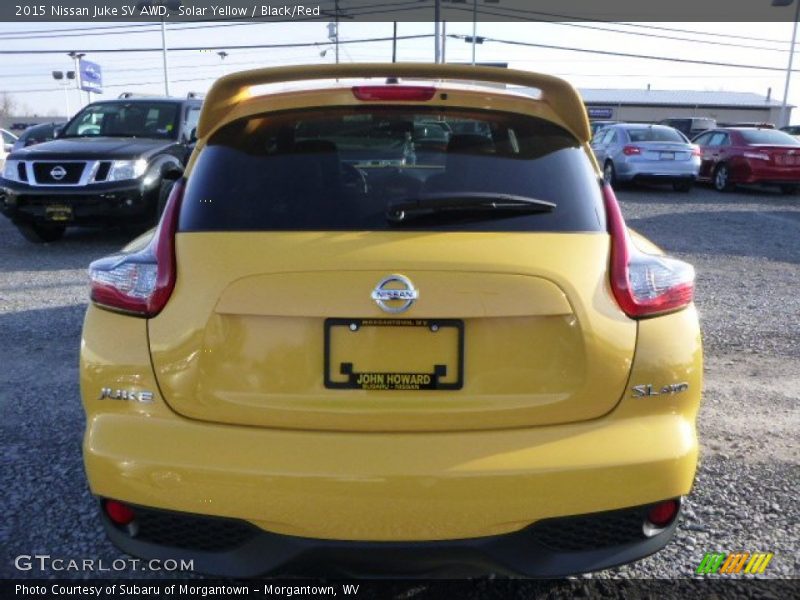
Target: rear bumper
<point>389,486</point>
<point>657,170</point>
<point>549,548</point>
<point>753,172</point>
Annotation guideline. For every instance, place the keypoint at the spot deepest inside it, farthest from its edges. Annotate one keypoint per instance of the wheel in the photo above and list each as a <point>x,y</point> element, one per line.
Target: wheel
<point>40,233</point>
<point>683,185</point>
<point>163,195</point>
<point>722,182</point>
<point>609,174</point>
<point>788,190</point>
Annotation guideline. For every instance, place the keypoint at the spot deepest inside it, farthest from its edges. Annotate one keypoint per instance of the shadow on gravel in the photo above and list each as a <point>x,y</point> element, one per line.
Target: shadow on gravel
<point>703,194</point>
<point>75,250</point>
<point>762,234</point>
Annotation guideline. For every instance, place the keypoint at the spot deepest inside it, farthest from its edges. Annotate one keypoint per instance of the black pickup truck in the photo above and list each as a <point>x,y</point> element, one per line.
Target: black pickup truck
<point>113,162</point>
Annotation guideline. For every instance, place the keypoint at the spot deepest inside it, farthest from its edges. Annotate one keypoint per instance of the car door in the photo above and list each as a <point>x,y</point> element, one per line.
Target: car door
<point>719,146</point>
<point>598,144</point>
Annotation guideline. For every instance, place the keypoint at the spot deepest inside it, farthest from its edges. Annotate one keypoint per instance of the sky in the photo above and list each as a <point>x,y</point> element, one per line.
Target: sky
<point>27,77</point>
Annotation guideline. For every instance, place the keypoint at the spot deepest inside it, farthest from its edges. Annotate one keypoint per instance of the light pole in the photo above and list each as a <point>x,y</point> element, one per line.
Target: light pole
<point>172,6</point>
<point>783,120</point>
<point>76,58</point>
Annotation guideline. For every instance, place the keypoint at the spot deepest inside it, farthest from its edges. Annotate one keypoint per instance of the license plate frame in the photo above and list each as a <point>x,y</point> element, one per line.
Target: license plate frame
<point>58,212</point>
<point>666,156</point>
<point>394,380</point>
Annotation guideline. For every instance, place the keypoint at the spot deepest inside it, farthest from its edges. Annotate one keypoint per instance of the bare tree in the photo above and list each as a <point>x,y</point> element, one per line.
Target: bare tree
<point>7,105</point>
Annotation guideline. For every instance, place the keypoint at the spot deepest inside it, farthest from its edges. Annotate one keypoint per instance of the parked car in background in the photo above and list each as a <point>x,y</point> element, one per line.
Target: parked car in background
<point>113,162</point>
<point>743,155</point>
<point>690,126</point>
<point>8,139</point>
<point>652,153</point>
<point>36,134</point>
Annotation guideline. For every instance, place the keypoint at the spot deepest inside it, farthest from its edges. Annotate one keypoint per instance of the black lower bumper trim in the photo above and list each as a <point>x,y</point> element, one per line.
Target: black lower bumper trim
<point>548,548</point>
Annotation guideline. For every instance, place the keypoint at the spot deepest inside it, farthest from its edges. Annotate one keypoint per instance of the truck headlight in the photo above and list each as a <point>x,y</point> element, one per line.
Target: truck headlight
<point>127,169</point>
<point>11,170</point>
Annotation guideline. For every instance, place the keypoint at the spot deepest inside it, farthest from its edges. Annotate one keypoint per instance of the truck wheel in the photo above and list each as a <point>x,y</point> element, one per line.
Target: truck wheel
<point>40,233</point>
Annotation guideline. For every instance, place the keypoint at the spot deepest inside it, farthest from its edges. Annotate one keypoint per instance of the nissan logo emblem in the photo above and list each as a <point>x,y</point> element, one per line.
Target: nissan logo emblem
<point>58,173</point>
<point>395,294</point>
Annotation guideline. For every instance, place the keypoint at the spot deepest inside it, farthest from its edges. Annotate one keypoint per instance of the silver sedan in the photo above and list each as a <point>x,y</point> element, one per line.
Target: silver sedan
<point>653,153</point>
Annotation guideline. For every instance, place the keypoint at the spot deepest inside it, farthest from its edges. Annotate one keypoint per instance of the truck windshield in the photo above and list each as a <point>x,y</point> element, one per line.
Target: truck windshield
<point>126,119</point>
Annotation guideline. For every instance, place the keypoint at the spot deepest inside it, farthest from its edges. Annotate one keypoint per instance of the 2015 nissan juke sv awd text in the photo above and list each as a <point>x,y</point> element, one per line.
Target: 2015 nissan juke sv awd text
<point>390,323</point>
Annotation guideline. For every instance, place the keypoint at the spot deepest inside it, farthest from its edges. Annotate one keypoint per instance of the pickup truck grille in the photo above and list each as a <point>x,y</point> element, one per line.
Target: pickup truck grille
<point>58,173</point>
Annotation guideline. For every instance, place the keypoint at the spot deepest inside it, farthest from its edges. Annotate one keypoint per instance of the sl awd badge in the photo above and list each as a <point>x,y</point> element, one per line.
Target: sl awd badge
<point>647,390</point>
<point>395,293</point>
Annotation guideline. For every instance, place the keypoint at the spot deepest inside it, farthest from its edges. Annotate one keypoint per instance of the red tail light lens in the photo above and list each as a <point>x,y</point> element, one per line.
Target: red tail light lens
<point>696,151</point>
<point>644,285</point>
<point>141,283</point>
<point>119,513</point>
<point>631,150</point>
<point>663,513</point>
<point>393,93</point>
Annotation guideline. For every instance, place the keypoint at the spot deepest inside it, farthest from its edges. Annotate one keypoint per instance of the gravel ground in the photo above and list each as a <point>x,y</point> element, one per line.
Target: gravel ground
<point>744,246</point>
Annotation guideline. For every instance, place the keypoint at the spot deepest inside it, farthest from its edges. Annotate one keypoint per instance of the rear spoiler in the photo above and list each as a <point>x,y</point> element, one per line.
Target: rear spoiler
<point>230,90</point>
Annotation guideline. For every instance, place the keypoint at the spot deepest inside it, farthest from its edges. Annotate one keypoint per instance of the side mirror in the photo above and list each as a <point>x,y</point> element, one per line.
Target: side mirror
<point>58,131</point>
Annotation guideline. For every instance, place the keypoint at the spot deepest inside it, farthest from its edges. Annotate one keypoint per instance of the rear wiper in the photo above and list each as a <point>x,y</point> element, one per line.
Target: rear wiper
<point>429,204</point>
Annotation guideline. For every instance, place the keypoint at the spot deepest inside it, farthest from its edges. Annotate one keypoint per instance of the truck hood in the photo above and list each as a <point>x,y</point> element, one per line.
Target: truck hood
<point>108,148</point>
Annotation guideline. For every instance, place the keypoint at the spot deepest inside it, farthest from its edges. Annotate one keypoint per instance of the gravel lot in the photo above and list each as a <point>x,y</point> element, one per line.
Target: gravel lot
<point>745,247</point>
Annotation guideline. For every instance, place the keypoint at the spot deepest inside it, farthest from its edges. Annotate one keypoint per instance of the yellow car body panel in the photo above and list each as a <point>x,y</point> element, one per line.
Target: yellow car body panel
<point>241,341</point>
<point>390,485</point>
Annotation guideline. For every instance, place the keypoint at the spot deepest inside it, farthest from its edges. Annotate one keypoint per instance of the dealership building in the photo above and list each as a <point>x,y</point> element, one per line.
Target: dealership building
<point>648,105</point>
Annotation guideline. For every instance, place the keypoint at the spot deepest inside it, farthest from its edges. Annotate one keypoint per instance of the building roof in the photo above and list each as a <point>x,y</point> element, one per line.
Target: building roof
<point>677,98</point>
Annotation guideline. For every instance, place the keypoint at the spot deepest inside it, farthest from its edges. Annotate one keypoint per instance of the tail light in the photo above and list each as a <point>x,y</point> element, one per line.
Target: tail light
<point>631,150</point>
<point>119,513</point>
<point>644,285</point>
<point>663,513</point>
<point>696,151</point>
<point>140,283</point>
<point>394,93</point>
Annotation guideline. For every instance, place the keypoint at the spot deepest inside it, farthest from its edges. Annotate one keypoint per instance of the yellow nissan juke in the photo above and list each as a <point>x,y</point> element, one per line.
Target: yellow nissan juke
<point>391,322</point>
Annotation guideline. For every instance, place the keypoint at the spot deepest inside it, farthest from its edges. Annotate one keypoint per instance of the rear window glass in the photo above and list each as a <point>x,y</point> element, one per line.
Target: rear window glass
<point>768,136</point>
<point>340,169</point>
<point>655,134</point>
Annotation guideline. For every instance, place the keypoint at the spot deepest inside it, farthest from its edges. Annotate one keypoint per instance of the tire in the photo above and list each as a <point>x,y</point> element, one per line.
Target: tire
<point>41,233</point>
<point>788,190</point>
<point>164,188</point>
<point>683,185</point>
<point>722,180</point>
<point>609,174</point>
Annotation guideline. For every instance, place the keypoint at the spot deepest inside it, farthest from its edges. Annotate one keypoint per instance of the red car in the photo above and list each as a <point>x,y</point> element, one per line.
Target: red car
<point>734,155</point>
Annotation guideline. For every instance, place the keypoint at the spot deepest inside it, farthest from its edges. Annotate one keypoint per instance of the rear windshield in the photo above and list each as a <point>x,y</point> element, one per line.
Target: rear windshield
<point>655,134</point>
<point>768,136</point>
<point>341,168</point>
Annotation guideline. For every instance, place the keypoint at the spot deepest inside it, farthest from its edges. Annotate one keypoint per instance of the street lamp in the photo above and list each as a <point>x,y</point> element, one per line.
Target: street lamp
<point>65,76</point>
<point>783,121</point>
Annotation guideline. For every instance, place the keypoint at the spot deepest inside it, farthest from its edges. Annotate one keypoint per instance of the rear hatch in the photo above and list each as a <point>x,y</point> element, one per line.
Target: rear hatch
<point>300,303</point>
